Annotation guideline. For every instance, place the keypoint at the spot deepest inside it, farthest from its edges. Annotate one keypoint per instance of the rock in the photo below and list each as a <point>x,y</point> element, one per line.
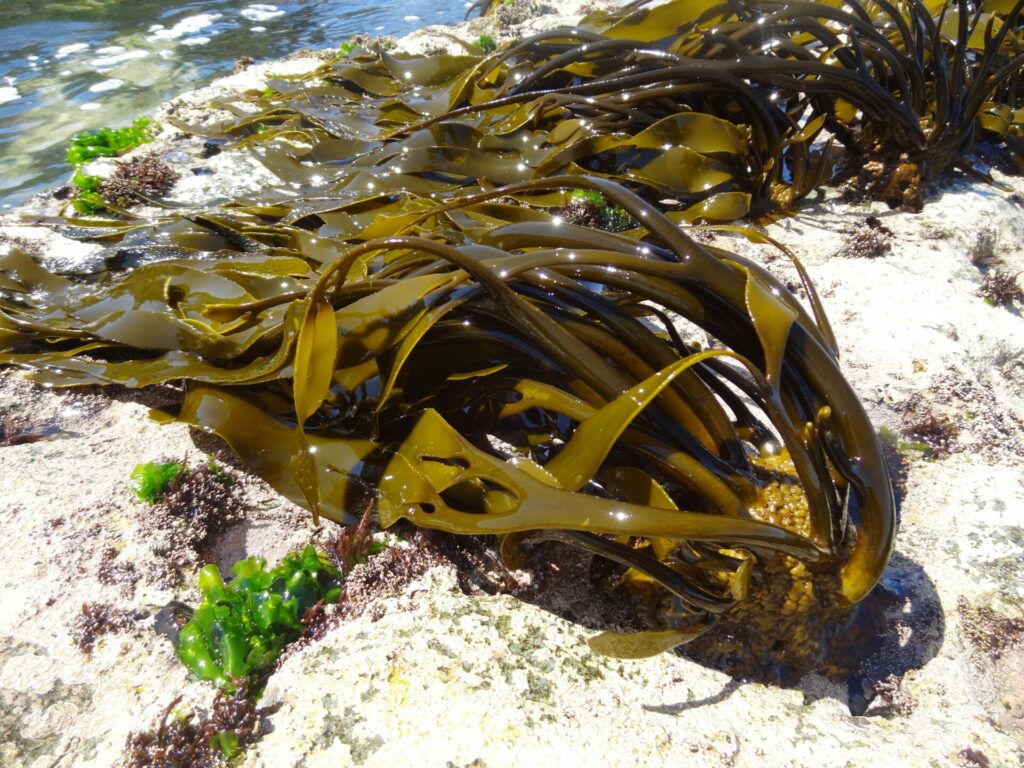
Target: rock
<point>433,676</point>
<point>448,679</point>
<point>76,541</point>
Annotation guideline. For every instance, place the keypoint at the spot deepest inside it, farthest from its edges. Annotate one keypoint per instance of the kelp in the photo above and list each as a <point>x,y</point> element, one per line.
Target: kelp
<point>483,367</point>
<point>414,319</point>
<point>714,110</point>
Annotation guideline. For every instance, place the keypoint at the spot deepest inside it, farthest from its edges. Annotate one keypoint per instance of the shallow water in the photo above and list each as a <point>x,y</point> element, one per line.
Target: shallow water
<point>69,65</point>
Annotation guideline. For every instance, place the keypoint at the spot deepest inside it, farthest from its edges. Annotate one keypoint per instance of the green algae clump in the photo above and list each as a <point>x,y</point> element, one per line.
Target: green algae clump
<point>242,625</point>
<point>154,480</point>
<point>109,142</point>
<point>103,142</point>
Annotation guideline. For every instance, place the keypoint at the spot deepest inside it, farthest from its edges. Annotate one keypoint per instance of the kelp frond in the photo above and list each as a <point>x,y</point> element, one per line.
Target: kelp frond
<point>717,106</point>
<point>405,322</point>
<point>484,367</point>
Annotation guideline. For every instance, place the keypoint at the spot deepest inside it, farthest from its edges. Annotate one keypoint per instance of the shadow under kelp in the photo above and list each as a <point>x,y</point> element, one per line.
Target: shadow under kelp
<point>898,627</point>
<point>909,626</point>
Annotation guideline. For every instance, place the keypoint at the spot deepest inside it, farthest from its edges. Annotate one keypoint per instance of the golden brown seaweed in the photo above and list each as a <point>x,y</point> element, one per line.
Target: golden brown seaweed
<point>474,368</point>
<point>408,320</point>
<point>715,107</point>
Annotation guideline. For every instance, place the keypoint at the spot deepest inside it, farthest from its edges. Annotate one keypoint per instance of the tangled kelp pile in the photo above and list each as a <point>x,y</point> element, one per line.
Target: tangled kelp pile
<point>405,322</point>
<point>483,367</point>
<point>711,109</point>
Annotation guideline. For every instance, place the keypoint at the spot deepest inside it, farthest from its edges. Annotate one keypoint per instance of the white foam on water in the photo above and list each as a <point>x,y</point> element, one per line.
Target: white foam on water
<point>66,50</point>
<point>261,12</point>
<point>8,93</point>
<point>89,106</point>
<point>201,40</point>
<point>117,55</point>
<point>106,85</point>
<point>257,29</point>
<point>410,18</point>
<point>187,26</point>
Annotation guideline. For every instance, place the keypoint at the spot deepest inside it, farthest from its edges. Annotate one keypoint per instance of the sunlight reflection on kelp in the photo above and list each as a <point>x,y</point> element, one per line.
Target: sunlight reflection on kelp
<point>405,321</point>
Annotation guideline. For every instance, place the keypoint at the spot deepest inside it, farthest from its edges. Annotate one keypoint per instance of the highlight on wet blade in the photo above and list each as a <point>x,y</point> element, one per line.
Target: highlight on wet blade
<point>481,366</point>
<point>714,111</point>
<point>468,301</point>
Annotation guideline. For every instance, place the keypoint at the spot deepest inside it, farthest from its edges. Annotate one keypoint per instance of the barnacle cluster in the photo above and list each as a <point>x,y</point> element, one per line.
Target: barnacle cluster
<point>404,322</point>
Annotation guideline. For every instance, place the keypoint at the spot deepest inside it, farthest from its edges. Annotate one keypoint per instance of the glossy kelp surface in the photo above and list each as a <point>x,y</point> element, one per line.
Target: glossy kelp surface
<point>482,366</point>
<point>711,109</point>
<point>412,320</point>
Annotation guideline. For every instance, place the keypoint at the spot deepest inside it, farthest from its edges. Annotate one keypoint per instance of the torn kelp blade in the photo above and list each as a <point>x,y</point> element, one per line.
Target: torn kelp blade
<point>523,497</point>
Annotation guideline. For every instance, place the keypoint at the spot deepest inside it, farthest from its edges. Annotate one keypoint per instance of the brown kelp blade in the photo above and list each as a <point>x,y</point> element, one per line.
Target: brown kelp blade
<point>479,370</point>
<point>644,95</point>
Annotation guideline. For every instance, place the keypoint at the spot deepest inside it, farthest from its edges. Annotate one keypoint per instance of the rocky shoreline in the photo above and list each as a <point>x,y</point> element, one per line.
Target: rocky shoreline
<point>432,670</point>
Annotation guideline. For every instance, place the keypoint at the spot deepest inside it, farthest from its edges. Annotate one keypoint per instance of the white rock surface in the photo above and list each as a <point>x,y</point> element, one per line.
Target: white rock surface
<point>444,679</point>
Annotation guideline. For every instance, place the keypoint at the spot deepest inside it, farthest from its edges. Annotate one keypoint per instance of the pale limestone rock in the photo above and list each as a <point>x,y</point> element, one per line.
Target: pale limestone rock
<point>445,679</point>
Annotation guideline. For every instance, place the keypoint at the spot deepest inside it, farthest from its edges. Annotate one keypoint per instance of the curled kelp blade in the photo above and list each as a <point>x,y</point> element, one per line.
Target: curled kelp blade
<point>473,320</point>
<point>455,259</point>
<point>803,341</point>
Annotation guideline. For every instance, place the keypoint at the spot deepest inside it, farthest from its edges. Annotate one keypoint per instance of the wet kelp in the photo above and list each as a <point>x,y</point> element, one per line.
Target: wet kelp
<point>714,110</point>
<point>408,322</point>
<point>481,366</point>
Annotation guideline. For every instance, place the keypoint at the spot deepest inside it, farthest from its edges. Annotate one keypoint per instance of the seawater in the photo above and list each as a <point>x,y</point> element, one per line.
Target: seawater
<point>71,65</point>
